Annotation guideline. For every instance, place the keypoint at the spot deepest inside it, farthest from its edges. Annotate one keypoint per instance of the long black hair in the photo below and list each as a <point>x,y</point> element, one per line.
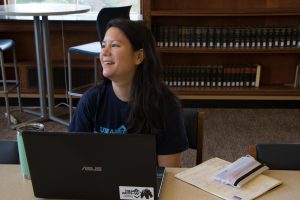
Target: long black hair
<point>149,94</point>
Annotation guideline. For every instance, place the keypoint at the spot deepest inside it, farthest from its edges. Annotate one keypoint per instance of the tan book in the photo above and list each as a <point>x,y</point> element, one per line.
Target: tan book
<point>202,176</point>
<point>257,78</point>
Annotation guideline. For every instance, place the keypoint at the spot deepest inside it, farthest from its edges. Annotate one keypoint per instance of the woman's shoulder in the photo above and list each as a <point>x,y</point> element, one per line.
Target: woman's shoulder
<point>93,94</point>
<point>96,90</point>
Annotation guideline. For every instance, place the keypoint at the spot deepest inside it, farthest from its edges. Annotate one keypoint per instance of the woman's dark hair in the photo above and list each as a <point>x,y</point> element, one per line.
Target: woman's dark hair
<point>148,92</point>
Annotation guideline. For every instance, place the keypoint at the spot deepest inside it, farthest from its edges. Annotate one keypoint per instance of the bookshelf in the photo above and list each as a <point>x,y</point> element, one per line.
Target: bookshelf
<point>278,60</point>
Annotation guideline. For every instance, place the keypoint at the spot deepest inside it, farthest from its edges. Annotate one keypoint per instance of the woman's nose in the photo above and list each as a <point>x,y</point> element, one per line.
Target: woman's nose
<point>105,50</point>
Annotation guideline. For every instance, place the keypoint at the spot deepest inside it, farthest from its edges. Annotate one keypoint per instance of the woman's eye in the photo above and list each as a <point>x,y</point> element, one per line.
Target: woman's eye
<point>103,45</point>
<point>115,45</point>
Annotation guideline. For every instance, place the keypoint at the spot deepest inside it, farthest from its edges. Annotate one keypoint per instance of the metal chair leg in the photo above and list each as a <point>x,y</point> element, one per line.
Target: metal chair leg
<point>72,91</point>
<point>5,92</point>
<point>17,78</point>
<point>70,87</point>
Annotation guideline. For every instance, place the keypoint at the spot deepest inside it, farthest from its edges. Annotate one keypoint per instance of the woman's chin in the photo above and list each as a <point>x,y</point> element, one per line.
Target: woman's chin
<point>106,75</point>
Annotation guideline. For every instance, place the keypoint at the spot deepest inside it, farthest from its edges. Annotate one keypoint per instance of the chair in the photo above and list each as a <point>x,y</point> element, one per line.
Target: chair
<point>9,152</point>
<point>194,124</point>
<point>10,84</point>
<point>93,49</point>
<point>277,156</point>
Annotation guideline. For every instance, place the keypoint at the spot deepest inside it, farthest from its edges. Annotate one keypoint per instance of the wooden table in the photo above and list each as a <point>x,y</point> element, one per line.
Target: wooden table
<point>13,186</point>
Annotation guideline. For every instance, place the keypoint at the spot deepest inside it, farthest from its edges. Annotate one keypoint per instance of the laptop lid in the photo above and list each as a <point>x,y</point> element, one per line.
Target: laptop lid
<point>89,166</point>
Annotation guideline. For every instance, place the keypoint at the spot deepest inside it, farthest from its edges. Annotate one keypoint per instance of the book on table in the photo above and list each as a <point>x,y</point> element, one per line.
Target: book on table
<point>203,177</point>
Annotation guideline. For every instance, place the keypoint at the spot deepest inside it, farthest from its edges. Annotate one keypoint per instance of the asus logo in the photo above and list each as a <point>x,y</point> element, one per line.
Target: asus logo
<point>91,169</point>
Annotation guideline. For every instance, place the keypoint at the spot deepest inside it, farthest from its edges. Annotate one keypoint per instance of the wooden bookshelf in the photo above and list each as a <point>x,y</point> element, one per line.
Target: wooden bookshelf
<point>278,65</point>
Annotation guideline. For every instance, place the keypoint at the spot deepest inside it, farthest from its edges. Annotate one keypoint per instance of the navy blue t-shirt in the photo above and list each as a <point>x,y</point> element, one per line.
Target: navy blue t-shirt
<point>101,111</point>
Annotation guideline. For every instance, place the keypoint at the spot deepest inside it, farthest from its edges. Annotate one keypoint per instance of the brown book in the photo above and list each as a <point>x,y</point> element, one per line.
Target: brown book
<point>226,72</point>
<point>297,77</point>
<point>247,75</point>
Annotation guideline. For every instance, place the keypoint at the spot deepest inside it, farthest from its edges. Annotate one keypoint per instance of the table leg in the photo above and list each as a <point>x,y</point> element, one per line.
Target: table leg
<point>49,72</point>
<point>40,67</point>
<point>41,76</point>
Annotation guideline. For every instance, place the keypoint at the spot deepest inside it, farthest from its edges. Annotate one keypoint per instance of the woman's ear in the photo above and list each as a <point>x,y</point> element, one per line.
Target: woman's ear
<point>139,56</point>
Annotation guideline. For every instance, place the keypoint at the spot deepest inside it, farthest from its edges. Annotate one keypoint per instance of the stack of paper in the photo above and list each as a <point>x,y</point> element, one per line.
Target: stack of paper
<point>202,176</point>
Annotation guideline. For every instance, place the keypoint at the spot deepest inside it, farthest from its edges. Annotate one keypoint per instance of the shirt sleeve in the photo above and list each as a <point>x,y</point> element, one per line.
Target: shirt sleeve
<point>82,120</point>
<point>174,138</point>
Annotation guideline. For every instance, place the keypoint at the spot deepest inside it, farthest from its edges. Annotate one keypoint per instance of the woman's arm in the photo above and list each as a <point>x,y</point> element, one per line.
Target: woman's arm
<point>171,160</point>
<point>82,120</point>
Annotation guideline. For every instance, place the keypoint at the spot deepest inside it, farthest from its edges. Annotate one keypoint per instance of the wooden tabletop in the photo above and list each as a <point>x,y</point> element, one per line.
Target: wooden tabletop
<point>14,186</point>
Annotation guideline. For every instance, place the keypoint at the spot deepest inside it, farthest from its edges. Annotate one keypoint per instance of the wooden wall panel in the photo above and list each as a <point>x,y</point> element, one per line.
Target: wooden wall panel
<point>62,34</point>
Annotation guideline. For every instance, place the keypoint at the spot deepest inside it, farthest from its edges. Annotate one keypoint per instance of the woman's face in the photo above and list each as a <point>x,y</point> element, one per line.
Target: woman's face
<point>119,61</point>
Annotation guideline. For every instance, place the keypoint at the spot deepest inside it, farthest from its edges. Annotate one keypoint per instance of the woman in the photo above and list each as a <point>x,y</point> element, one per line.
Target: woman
<point>133,98</point>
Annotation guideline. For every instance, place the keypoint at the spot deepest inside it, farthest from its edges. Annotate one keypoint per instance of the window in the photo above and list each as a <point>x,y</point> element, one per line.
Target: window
<point>95,5</point>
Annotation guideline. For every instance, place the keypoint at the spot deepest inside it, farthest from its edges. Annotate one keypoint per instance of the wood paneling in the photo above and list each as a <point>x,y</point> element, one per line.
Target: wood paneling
<point>63,34</point>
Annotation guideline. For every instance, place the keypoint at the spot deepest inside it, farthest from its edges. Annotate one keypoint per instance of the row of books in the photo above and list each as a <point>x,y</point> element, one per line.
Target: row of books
<point>226,75</point>
<point>274,36</point>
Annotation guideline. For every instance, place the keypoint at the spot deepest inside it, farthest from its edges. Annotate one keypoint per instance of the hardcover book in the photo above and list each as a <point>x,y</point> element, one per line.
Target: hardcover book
<point>202,177</point>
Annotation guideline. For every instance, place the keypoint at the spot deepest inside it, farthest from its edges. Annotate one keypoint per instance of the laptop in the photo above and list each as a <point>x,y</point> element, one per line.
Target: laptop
<point>93,166</point>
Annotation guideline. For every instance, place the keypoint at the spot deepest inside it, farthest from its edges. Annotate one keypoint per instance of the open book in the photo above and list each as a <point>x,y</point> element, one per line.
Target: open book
<point>241,171</point>
<point>202,176</point>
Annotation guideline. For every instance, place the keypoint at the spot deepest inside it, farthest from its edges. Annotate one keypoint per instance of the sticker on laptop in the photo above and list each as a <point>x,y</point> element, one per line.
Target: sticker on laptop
<point>136,193</point>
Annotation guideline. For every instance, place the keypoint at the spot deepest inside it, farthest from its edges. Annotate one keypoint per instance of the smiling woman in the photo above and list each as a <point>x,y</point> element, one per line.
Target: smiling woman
<point>133,98</point>
<point>95,5</point>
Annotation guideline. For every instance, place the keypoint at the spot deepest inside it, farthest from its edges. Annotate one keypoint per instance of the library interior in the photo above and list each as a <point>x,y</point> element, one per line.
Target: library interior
<point>234,66</point>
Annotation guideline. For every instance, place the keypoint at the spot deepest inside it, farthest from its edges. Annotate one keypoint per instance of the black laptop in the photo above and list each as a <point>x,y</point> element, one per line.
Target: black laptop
<point>92,166</point>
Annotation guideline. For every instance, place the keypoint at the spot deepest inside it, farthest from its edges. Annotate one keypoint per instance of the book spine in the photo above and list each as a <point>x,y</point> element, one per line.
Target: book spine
<point>253,37</point>
<point>282,43</point>
<point>220,75</point>
<point>204,37</point>
<point>242,76</point>
<point>224,41</point>
<point>237,75</point>
<point>198,37</point>
<point>197,75</point>
<point>294,36</point>
<point>264,37</point>
<point>288,36</point>
<point>193,77</point>
<point>270,37</point>
<point>297,77</point>
<point>242,37</point>
<point>218,37</point>
<point>171,36</point>
<point>213,75</point>
<point>257,77</point>
<point>247,75</point>
<point>225,75</point>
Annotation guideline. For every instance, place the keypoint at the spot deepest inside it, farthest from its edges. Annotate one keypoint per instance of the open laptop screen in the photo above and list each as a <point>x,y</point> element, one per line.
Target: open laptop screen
<point>89,166</point>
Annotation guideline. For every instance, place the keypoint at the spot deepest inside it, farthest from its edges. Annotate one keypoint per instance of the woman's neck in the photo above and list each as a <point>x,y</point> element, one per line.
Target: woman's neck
<point>122,90</point>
